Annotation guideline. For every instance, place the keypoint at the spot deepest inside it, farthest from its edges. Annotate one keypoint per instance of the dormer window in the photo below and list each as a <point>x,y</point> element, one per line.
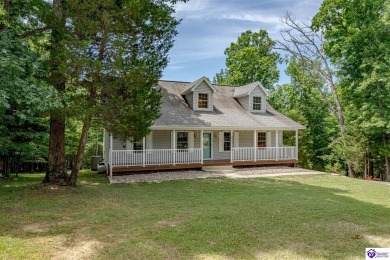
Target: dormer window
<point>203,100</point>
<point>256,104</point>
<point>199,95</point>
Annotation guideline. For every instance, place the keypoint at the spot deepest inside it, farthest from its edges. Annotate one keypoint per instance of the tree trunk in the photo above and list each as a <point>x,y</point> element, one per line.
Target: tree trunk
<point>6,167</point>
<point>56,163</point>
<point>80,152</point>
<point>351,171</point>
<point>88,118</point>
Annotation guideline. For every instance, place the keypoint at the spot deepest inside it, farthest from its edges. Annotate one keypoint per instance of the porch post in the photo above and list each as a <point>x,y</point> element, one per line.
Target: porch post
<point>296,144</point>
<point>143,152</point>
<point>110,159</point>
<point>254,145</point>
<point>231,146</point>
<point>277,145</point>
<point>201,146</point>
<point>174,147</point>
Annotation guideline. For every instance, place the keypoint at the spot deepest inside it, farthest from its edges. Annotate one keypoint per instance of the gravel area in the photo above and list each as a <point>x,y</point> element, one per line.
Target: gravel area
<point>271,170</point>
<point>250,172</point>
<point>161,176</point>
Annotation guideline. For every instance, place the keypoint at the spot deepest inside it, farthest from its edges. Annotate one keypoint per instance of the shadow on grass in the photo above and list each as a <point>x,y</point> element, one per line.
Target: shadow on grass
<point>256,218</point>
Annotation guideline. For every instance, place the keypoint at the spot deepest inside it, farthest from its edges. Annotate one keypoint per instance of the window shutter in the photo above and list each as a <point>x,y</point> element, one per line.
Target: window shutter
<point>221,141</point>
<point>236,136</point>
<point>149,141</point>
<point>268,139</point>
<point>190,140</point>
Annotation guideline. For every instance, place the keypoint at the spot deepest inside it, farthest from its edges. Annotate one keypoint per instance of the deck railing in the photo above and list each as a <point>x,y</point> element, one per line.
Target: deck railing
<point>155,157</point>
<point>243,154</point>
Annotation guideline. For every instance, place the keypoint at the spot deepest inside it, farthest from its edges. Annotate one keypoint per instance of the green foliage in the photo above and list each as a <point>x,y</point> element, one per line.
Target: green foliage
<point>250,59</point>
<point>115,64</point>
<point>24,96</point>
<point>313,217</point>
<point>358,42</point>
<point>301,101</point>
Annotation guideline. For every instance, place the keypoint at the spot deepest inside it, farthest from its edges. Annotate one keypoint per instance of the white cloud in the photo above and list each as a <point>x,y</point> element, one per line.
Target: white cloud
<point>253,18</point>
<point>209,26</point>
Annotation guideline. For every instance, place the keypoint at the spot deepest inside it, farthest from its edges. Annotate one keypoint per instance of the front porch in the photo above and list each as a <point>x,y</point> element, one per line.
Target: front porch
<point>122,170</point>
<point>184,149</point>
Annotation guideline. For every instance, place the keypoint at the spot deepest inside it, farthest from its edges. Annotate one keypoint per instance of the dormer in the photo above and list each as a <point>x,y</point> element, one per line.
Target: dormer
<point>199,95</point>
<point>252,97</point>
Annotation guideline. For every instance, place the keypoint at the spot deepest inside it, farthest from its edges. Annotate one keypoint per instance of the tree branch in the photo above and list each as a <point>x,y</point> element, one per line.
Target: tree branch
<point>32,32</point>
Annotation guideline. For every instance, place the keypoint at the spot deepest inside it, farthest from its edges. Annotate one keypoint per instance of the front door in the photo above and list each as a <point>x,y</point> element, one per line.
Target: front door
<point>206,145</point>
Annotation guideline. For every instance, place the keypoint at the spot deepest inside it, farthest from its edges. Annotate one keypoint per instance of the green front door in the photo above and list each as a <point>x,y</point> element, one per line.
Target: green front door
<point>207,146</point>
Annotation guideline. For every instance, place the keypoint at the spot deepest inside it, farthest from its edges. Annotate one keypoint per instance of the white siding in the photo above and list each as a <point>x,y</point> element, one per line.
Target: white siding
<point>192,98</point>
<point>118,144</point>
<point>217,155</point>
<point>247,101</point>
<point>246,139</point>
<point>161,139</point>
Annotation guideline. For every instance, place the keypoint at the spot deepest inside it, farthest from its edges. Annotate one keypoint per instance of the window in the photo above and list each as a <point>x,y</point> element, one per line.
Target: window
<point>138,146</point>
<point>261,139</point>
<point>257,103</point>
<point>227,141</point>
<point>203,100</point>
<point>182,140</point>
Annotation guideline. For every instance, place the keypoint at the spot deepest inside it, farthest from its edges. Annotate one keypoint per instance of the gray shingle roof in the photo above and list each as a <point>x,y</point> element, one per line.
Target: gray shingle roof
<point>247,89</point>
<point>227,114</point>
<point>194,84</point>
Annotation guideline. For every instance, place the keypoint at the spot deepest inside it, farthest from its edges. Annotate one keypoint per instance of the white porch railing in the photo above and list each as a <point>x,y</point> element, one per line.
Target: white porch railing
<point>242,154</point>
<point>155,157</point>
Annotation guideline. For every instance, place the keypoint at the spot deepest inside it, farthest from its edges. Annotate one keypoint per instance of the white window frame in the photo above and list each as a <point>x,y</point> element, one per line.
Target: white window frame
<point>222,142</point>
<point>198,100</point>
<point>253,103</point>
<point>265,140</point>
<point>177,140</point>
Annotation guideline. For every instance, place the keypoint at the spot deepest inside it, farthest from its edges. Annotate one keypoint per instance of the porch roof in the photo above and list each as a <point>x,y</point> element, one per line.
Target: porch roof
<point>227,112</point>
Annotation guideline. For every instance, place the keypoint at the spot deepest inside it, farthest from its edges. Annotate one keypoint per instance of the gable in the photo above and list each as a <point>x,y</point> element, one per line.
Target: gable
<point>201,83</point>
<point>248,89</point>
<point>198,89</point>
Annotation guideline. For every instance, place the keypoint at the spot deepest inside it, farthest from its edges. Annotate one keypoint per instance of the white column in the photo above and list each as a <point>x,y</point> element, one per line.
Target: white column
<point>254,145</point>
<point>201,145</point>
<point>143,152</point>
<point>110,159</point>
<point>277,144</point>
<point>296,144</point>
<point>231,146</point>
<point>174,147</point>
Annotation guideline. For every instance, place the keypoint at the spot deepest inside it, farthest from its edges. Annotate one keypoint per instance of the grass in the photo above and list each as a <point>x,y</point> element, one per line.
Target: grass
<point>290,217</point>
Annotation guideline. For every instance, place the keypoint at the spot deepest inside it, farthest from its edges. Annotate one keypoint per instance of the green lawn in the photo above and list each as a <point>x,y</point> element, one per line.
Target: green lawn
<point>291,217</point>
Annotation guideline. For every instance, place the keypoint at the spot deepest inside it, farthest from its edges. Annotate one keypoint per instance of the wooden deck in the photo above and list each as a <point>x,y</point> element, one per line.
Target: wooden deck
<point>136,169</point>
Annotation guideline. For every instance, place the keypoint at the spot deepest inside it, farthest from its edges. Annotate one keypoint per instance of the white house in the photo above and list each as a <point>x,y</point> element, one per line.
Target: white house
<point>205,124</point>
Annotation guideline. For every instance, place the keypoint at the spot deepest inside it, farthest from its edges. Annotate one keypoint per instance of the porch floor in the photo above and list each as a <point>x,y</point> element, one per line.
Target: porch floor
<point>123,170</point>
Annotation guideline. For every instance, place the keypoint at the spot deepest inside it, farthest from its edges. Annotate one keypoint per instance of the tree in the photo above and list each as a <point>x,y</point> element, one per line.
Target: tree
<point>301,101</point>
<point>307,46</point>
<point>104,59</point>
<point>358,42</point>
<point>24,93</point>
<point>250,59</point>
<point>113,56</point>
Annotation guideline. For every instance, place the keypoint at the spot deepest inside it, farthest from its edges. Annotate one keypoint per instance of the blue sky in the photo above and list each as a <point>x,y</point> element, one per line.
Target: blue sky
<point>209,26</point>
